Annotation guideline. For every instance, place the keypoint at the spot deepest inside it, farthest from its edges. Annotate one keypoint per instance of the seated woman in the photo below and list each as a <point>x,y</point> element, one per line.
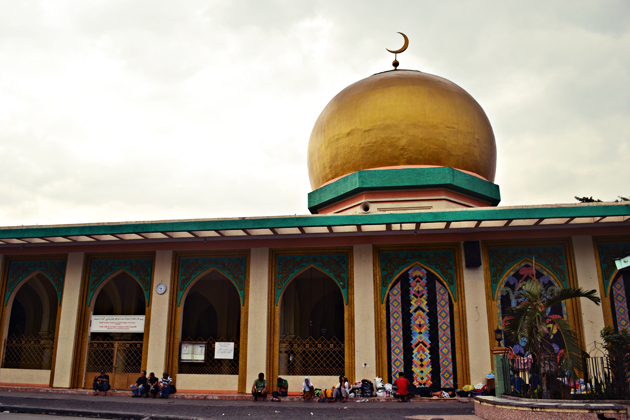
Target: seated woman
<point>153,383</point>
<point>308,389</point>
<point>342,390</point>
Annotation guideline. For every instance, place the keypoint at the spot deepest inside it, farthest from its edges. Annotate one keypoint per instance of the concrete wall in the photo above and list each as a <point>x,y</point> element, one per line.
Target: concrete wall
<point>257,325</point>
<point>364,326</point>
<point>158,333</point>
<point>25,377</point>
<point>66,339</point>
<point>477,323</point>
<point>207,382</point>
<point>586,267</point>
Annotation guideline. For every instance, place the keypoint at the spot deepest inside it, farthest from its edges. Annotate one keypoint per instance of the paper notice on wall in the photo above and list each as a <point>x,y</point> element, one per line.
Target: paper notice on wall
<point>224,351</point>
<point>117,324</point>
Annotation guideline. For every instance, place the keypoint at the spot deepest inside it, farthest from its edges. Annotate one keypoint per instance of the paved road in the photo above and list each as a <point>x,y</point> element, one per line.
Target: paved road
<point>117,407</point>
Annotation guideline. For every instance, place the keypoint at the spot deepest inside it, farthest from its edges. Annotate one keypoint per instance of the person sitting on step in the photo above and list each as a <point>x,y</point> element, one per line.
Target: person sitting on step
<point>282,388</point>
<point>402,385</point>
<point>153,385</point>
<point>101,383</point>
<point>166,386</point>
<point>140,389</point>
<point>259,389</point>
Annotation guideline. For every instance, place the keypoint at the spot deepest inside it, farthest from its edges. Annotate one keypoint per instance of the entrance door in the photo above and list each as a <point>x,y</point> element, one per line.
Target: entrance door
<point>121,360</point>
<point>118,354</point>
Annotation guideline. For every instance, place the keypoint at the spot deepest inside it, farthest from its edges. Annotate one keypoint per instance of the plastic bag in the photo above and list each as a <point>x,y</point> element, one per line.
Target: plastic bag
<point>379,382</point>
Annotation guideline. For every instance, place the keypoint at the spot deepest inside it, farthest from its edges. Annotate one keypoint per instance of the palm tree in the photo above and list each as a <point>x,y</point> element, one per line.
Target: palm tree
<point>530,323</point>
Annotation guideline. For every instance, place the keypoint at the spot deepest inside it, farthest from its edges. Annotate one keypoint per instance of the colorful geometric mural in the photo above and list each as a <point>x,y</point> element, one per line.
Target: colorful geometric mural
<point>620,304</point>
<point>396,330</point>
<point>420,330</point>
<point>444,334</point>
<point>420,341</point>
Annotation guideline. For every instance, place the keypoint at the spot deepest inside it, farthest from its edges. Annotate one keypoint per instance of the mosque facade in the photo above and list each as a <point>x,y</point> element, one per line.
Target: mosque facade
<point>406,263</point>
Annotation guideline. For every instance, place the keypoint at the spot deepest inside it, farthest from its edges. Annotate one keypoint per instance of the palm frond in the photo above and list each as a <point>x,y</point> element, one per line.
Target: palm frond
<point>562,295</point>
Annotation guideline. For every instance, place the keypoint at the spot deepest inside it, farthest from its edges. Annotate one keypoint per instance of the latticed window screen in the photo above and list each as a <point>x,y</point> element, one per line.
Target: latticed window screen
<point>310,356</point>
<point>27,352</point>
<point>114,356</point>
<point>212,366</point>
<point>420,333</point>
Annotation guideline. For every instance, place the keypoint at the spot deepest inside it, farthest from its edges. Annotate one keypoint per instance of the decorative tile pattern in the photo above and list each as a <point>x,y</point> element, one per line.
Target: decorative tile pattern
<point>444,335</point>
<point>139,269</point>
<point>608,253</point>
<point>503,259</point>
<point>420,341</point>
<point>334,265</point>
<point>55,271</point>
<point>231,267</point>
<point>621,305</point>
<point>396,330</point>
<point>392,263</point>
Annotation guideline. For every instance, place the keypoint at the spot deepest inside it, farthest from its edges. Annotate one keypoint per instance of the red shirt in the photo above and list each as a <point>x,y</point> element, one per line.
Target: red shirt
<point>401,384</point>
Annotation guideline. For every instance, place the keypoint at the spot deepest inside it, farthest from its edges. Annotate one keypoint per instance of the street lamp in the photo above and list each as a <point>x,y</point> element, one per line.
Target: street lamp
<point>498,335</point>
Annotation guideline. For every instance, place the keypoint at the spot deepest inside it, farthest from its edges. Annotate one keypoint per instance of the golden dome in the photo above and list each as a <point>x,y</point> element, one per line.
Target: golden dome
<point>401,118</point>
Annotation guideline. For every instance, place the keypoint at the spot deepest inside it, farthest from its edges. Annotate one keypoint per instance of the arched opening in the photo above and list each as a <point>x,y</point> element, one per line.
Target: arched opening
<point>421,330</point>
<point>32,324</point>
<point>507,298</point>
<point>618,295</point>
<point>211,314</point>
<point>119,354</point>
<point>312,327</point>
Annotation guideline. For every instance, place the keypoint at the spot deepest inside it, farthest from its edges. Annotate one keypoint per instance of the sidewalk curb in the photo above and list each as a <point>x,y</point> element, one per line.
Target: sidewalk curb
<point>87,413</point>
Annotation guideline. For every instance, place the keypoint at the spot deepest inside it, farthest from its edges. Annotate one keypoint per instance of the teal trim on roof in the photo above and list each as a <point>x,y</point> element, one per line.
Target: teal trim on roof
<point>494,213</point>
<point>399,179</point>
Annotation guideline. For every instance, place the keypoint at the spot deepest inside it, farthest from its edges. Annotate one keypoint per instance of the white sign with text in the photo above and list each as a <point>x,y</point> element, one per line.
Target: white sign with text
<point>224,350</point>
<point>117,324</point>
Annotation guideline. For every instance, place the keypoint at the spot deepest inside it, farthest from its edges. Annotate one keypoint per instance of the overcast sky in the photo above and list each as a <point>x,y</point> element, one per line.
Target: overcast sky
<point>146,110</point>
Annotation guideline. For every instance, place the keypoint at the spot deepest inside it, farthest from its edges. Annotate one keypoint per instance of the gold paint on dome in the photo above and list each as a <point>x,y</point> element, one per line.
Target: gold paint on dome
<point>401,118</point>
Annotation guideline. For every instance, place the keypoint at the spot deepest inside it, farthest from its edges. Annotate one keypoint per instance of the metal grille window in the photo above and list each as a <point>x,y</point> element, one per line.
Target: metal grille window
<point>310,356</point>
<point>27,352</point>
<point>114,356</point>
<point>212,366</point>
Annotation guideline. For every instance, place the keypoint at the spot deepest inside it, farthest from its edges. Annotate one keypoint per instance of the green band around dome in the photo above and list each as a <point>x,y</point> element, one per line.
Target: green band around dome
<point>398,179</point>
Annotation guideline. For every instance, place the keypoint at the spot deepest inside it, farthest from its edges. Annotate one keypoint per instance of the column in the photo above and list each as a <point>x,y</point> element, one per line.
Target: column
<point>586,268</point>
<point>479,355</point>
<point>66,338</point>
<point>257,318</point>
<point>364,326</point>
<point>158,331</point>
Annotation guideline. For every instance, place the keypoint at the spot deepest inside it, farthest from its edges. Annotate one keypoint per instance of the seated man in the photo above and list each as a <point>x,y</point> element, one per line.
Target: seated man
<point>101,383</point>
<point>166,386</point>
<point>402,385</point>
<point>282,388</point>
<point>259,389</point>
<point>140,388</point>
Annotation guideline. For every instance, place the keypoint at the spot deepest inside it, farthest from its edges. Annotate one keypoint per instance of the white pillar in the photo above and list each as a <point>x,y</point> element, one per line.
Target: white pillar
<point>257,318</point>
<point>158,331</point>
<point>479,354</point>
<point>586,268</point>
<point>66,339</point>
<point>364,325</point>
